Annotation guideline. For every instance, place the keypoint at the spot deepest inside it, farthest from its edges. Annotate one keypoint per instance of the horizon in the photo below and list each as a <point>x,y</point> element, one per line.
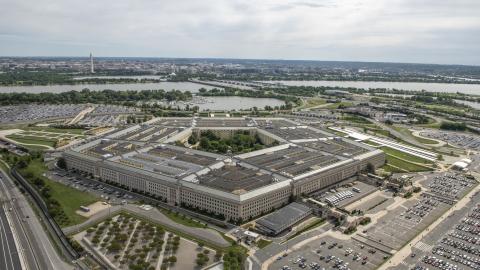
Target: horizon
<point>398,31</point>
<point>234,59</point>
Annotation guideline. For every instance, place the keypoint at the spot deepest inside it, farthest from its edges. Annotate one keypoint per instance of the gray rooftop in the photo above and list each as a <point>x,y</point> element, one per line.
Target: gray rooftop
<point>286,216</point>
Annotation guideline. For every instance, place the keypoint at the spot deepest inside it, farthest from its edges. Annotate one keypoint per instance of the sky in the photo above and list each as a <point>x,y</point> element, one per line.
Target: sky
<point>416,31</point>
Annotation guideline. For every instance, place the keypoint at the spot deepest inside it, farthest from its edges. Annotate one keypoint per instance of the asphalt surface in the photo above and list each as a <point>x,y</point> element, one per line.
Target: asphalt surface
<point>9,257</point>
<point>38,251</point>
<point>431,239</point>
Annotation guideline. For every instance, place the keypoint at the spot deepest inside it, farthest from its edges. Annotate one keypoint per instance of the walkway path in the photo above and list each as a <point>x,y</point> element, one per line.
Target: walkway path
<point>154,215</point>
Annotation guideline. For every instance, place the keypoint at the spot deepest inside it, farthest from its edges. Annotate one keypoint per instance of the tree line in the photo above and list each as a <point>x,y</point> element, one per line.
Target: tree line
<point>87,96</point>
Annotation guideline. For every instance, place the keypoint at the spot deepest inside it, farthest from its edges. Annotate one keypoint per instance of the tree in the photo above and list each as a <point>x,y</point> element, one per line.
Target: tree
<point>61,163</point>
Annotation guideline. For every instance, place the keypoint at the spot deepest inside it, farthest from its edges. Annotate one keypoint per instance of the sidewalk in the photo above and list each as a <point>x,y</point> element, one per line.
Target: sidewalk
<point>154,215</point>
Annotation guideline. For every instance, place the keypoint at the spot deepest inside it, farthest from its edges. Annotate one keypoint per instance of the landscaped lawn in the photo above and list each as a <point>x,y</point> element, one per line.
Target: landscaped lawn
<point>391,169</point>
<point>310,226</point>
<point>405,156</point>
<point>263,243</point>
<point>407,132</point>
<point>406,165</point>
<point>178,218</point>
<point>336,105</point>
<point>379,131</point>
<point>31,140</point>
<point>424,140</point>
<point>70,199</point>
<point>77,131</point>
<point>312,102</point>
<point>371,143</point>
<point>355,119</point>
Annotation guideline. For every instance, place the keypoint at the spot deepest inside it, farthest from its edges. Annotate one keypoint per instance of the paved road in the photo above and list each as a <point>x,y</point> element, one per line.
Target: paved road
<point>156,216</point>
<point>408,139</point>
<point>38,250</point>
<point>9,257</point>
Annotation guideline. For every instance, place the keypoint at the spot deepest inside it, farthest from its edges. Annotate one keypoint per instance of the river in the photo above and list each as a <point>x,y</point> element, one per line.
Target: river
<point>167,86</point>
<point>227,103</point>
<point>471,89</point>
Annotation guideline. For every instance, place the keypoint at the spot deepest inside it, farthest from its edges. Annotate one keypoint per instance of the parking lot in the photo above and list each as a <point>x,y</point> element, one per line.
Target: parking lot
<point>448,187</point>
<point>33,112</point>
<point>328,253</point>
<point>463,140</point>
<point>454,244</point>
<point>403,223</point>
<point>107,193</point>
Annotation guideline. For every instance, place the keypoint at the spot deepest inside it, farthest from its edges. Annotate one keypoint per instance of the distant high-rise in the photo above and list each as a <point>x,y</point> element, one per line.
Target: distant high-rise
<point>91,64</point>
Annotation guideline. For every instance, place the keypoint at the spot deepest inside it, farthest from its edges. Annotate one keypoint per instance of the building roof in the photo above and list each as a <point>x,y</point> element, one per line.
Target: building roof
<point>286,216</point>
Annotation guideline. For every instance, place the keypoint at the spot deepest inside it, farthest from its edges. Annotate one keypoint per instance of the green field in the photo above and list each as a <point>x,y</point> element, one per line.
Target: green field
<point>371,143</point>
<point>76,131</point>
<point>407,166</point>
<point>407,132</point>
<point>263,243</point>
<point>312,102</point>
<point>355,119</point>
<point>392,169</point>
<point>181,219</point>
<point>336,105</point>
<point>312,225</point>
<point>70,199</point>
<point>31,140</point>
<point>378,131</point>
<point>405,156</point>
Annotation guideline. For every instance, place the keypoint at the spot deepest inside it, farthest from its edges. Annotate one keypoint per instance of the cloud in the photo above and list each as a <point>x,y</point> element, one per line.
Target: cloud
<point>365,30</point>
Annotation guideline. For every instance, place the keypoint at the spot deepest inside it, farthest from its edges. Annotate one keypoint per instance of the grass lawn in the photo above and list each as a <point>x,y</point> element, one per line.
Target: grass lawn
<point>178,218</point>
<point>70,199</point>
<point>77,131</point>
<point>355,119</point>
<point>336,105</point>
<point>263,243</point>
<point>31,140</point>
<point>391,169</point>
<point>378,131</point>
<point>424,140</point>
<point>371,143</point>
<point>407,132</point>
<point>312,102</point>
<point>310,226</point>
<point>405,156</point>
<point>406,165</point>
<point>343,134</point>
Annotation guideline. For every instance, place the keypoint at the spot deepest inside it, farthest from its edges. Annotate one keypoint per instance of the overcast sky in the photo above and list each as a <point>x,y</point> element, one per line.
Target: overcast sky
<point>422,31</point>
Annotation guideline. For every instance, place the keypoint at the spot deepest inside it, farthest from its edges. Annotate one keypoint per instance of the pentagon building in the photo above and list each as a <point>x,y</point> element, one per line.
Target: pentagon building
<point>298,160</point>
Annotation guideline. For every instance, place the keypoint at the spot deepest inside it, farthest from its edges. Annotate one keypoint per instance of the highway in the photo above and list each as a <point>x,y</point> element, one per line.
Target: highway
<point>36,251</point>
<point>9,257</point>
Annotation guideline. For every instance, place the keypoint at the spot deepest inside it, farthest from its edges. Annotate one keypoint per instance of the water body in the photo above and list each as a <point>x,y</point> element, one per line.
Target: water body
<point>472,89</point>
<point>229,103</point>
<point>167,86</point>
<point>137,77</point>
<point>472,104</point>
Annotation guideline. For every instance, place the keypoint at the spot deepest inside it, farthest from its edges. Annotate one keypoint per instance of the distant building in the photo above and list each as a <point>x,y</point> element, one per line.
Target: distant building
<point>92,70</point>
<point>395,117</point>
